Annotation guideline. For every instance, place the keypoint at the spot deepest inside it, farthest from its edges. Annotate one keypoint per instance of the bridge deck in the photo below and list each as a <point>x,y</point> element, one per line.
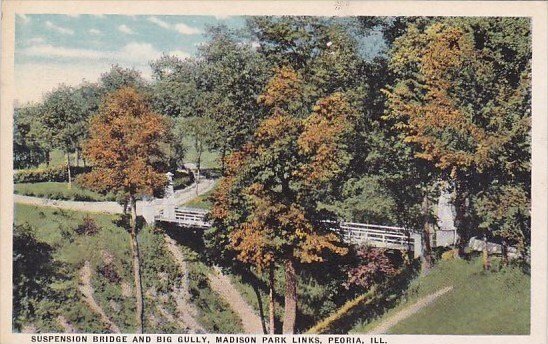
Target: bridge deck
<point>390,237</point>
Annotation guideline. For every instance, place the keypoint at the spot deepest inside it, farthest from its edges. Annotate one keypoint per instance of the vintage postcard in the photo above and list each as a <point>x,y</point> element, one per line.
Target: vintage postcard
<point>307,172</point>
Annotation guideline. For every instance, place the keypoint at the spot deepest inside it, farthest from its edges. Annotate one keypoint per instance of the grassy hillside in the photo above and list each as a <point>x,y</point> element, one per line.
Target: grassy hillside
<point>108,252</point>
<point>496,302</point>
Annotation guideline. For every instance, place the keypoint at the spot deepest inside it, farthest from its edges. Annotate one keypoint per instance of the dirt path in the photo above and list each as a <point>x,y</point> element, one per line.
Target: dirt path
<point>186,311</point>
<point>385,325</point>
<point>87,290</point>
<point>222,285</point>
<point>181,196</point>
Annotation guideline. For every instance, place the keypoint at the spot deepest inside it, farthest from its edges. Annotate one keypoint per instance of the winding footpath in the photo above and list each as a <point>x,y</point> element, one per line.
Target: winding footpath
<point>222,285</point>
<point>405,313</point>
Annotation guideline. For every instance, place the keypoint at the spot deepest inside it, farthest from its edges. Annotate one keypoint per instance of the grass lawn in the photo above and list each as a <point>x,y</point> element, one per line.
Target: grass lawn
<point>202,201</point>
<point>59,191</point>
<point>494,303</point>
<point>210,159</point>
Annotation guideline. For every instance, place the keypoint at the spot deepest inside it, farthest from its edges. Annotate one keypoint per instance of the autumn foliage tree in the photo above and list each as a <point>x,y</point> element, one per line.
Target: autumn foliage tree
<point>461,96</point>
<point>268,200</point>
<point>127,149</point>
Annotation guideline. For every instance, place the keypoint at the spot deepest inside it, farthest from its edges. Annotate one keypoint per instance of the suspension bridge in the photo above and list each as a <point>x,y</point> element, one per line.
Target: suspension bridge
<point>397,238</point>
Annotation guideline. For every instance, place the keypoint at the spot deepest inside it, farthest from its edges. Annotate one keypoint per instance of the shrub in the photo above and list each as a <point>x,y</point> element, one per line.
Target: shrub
<point>182,179</point>
<point>49,174</point>
<point>109,272</point>
<point>88,227</point>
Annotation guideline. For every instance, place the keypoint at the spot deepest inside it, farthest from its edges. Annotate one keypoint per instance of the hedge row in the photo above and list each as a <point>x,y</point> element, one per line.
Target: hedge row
<point>49,174</point>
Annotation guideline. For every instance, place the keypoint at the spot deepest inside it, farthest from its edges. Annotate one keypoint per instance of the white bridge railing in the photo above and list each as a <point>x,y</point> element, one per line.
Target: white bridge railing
<point>397,238</point>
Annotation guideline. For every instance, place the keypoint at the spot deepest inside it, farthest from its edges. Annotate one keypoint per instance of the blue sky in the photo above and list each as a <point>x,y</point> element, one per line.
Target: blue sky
<point>52,49</point>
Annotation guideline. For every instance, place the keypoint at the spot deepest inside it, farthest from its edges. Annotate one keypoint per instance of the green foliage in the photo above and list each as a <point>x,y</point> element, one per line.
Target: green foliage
<point>28,150</point>
<point>59,191</point>
<point>47,174</point>
<point>33,270</point>
<point>182,179</point>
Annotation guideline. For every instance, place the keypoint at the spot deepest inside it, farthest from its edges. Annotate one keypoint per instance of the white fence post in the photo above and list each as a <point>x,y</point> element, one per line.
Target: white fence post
<point>148,212</point>
<point>417,244</point>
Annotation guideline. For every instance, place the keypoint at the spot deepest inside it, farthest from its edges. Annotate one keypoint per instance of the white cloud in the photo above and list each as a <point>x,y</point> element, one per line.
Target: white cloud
<point>50,51</point>
<point>59,29</point>
<point>182,28</point>
<point>71,65</point>
<point>180,54</point>
<point>73,15</point>
<point>125,29</point>
<point>98,15</point>
<point>222,16</point>
<point>159,22</point>
<point>95,31</point>
<point>137,53</point>
<point>187,30</point>
<point>36,40</point>
<point>24,18</point>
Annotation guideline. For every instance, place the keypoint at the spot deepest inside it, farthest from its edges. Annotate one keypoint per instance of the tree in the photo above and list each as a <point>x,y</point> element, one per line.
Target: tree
<point>199,130</point>
<point>268,202</point>
<point>63,121</point>
<point>29,149</point>
<point>119,77</point>
<point>126,147</point>
<point>462,97</point>
<point>231,77</point>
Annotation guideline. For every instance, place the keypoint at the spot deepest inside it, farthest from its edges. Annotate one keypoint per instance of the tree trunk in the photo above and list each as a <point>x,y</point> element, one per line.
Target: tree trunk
<point>271,309</point>
<point>77,158</point>
<point>198,163</point>
<point>68,171</point>
<point>290,307</point>
<point>504,247</point>
<point>136,267</point>
<point>426,259</point>
<point>48,158</point>
<point>460,198</point>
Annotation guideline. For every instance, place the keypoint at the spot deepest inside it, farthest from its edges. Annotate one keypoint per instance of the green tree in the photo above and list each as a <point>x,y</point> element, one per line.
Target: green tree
<point>29,149</point>
<point>232,76</point>
<point>63,121</point>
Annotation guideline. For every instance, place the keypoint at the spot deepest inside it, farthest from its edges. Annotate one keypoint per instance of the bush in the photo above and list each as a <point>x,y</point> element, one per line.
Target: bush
<point>88,227</point>
<point>49,174</point>
<point>109,272</point>
<point>182,179</point>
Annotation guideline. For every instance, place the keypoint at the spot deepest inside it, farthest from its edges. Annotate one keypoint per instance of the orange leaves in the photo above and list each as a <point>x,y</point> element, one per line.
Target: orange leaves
<point>425,102</point>
<point>284,87</point>
<point>266,201</point>
<point>324,136</point>
<point>125,145</point>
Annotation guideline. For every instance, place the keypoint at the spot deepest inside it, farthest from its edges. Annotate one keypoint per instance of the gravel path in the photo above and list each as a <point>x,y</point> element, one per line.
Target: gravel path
<point>222,285</point>
<point>87,290</point>
<point>181,196</point>
<point>385,325</point>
